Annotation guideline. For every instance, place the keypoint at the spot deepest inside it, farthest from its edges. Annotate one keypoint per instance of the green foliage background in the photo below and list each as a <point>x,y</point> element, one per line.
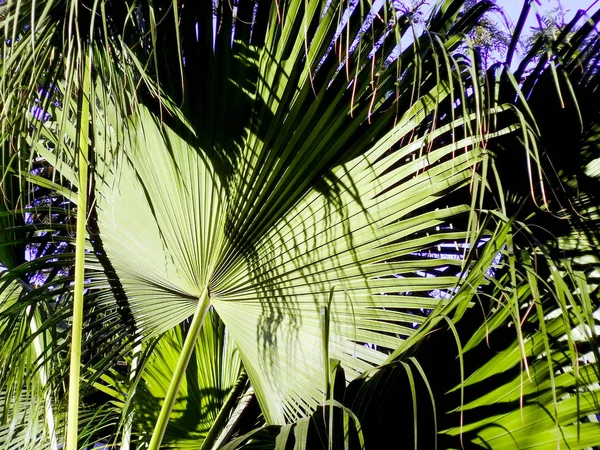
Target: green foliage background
<point>295,224</point>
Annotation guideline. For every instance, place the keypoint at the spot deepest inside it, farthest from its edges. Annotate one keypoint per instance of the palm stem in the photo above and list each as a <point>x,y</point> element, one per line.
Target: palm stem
<point>179,372</point>
<point>77,326</point>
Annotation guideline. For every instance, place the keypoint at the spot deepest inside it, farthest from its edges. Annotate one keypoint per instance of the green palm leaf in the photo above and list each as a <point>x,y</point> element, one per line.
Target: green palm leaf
<point>161,215</point>
<point>547,394</point>
<point>214,375</point>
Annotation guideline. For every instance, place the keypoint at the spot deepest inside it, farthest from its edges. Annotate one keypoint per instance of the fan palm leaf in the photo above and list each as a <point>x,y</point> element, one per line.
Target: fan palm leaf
<point>274,292</point>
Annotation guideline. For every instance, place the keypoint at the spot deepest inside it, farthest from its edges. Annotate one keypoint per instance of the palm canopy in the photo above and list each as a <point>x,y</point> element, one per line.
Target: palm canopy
<point>298,191</point>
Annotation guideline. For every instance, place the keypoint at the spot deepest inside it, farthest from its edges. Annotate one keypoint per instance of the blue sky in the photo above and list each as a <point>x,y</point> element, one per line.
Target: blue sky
<point>512,8</point>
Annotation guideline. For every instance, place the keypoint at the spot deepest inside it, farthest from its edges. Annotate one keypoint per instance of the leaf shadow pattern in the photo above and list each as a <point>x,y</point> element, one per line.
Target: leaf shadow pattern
<point>264,273</point>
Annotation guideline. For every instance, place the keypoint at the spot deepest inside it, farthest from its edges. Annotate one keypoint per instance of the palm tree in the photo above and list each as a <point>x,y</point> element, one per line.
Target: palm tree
<point>257,191</point>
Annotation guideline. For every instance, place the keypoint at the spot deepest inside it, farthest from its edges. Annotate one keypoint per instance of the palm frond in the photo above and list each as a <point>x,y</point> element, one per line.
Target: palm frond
<point>213,375</point>
<point>549,395</point>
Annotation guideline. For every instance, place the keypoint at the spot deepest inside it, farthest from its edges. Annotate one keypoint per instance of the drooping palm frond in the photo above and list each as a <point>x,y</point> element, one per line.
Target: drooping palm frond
<point>557,83</point>
<point>30,418</point>
<point>18,393</point>
<point>541,391</point>
<point>33,258</point>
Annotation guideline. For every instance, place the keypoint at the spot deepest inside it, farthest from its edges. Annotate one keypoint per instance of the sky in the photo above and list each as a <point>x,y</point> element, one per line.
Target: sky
<point>512,8</point>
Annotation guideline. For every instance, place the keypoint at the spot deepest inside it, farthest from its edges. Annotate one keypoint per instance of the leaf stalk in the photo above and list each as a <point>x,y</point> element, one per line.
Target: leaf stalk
<point>77,326</point>
<point>179,372</point>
